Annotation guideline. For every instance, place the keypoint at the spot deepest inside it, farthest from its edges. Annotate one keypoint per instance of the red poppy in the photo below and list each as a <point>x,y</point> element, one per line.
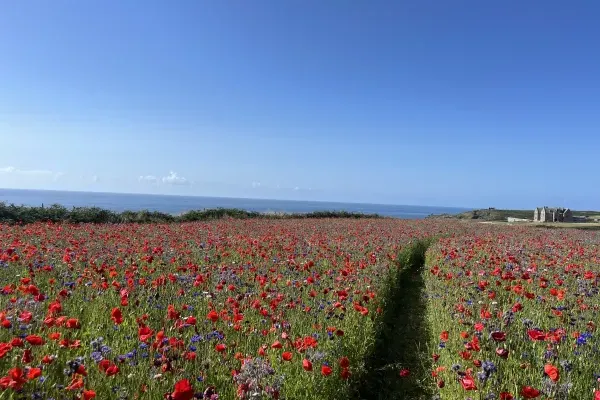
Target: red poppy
<point>529,393</point>
<point>344,362</point>
<point>220,347</point>
<point>27,357</point>
<point>276,345</point>
<point>4,349</point>
<point>506,396</point>
<point>183,390</point>
<point>212,316</point>
<point>108,367</point>
<point>117,316</point>
<point>76,383</point>
<point>468,383</point>
<point>345,373</point>
<point>404,372</point>
<point>145,333</point>
<point>536,334</point>
<point>34,340</point>
<point>287,356</point>
<point>88,394</point>
<point>503,353</point>
<point>326,370</point>
<point>307,365</point>
<point>34,373</point>
<point>499,336</point>
<point>73,323</point>
<point>552,372</point>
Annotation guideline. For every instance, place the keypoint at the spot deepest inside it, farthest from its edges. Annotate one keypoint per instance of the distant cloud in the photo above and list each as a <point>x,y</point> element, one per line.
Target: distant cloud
<point>95,178</point>
<point>31,172</point>
<point>174,179</point>
<point>255,185</point>
<point>13,170</point>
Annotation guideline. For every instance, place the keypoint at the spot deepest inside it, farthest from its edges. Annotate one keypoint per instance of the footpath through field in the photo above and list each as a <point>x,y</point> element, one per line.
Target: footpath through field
<point>401,338</point>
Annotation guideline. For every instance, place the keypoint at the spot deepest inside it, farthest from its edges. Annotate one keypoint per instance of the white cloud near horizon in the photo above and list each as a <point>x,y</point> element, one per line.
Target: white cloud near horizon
<point>174,179</point>
<point>31,172</point>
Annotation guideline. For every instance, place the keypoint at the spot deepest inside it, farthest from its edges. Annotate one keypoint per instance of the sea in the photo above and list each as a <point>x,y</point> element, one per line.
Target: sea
<point>179,204</point>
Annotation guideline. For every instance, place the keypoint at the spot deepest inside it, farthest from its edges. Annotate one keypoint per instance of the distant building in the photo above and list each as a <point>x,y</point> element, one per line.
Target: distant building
<point>548,214</point>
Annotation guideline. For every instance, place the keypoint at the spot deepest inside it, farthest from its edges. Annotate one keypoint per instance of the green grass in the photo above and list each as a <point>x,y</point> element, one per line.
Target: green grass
<point>401,335</point>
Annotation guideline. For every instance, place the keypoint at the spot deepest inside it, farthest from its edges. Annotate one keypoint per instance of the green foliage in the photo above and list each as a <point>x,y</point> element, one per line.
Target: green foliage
<point>13,214</point>
<point>493,214</point>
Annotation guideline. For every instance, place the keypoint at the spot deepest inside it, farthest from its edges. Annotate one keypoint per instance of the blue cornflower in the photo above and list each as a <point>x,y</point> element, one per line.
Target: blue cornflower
<point>488,367</point>
<point>196,338</point>
<point>96,356</point>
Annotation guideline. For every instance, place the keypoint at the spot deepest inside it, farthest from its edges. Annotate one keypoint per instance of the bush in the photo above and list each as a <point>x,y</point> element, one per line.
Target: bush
<point>56,213</point>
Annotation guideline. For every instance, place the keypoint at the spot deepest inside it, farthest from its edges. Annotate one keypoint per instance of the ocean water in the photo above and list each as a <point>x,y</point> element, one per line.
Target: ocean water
<point>179,204</point>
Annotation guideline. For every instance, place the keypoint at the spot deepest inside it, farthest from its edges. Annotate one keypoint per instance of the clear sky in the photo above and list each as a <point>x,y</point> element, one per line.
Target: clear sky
<point>457,103</point>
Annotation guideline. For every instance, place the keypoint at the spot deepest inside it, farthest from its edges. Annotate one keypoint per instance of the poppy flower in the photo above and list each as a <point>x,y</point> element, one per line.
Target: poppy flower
<point>34,340</point>
<point>76,383</point>
<point>326,370</point>
<point>444,336</point>
<point>212,316</point>
<point>502,353</point>
<point>220,347</point>
<point>345,373</point>
<point>34,373</point>
<point>73,323</point>
<point>404,372</point>
<point>468,383</point>
<point>529,392</point>
<point>276,345</point>
<point>286,356</point>
<point>27,357</point>
<point>506,396</point>
<point>344,362</point>
<point>4,349</point>
<point>536,334</point>
<point>47,359</point>
<point>88,394</point>
<point>183,390</point>
<point>307,365</point>
<point>117,316</point>
<point>552,372</point>
<point>145,333</point>
<point>498,336</point>
<point>108,367</point>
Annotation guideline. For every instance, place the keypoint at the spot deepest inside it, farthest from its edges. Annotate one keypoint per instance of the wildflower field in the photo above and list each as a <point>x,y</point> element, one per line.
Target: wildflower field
<point>513,314</point>
<point>297,309</point>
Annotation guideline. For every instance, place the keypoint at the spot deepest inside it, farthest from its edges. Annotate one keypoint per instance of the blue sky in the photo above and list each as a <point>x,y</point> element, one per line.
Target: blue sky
<point>456,103</point>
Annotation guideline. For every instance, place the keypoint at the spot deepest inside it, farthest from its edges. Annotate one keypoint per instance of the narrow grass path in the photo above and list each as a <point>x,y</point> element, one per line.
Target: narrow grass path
<point>401,338</point>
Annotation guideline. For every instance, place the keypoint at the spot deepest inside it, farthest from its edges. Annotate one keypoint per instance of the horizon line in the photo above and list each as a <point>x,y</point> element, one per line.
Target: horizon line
<point>237,198</point>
